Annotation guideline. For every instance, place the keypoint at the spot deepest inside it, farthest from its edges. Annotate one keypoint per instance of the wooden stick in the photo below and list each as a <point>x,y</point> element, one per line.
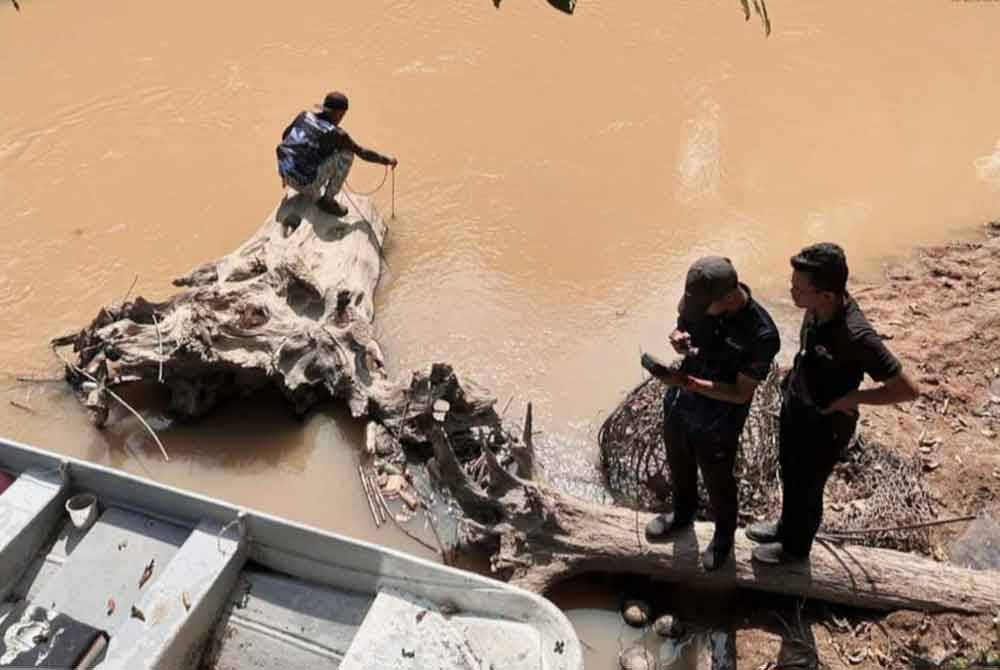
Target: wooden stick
<point>377,493</point>
<point>368,496</point>
<point>117,397</point>
<point>129,292</point>
<point>19,405</point>
<point>159,340</point>
<point>870,531</point>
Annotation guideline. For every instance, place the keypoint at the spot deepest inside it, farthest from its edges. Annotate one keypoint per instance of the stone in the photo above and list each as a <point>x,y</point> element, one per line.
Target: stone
<point>668,626</point>
<point>635,612</point>
<point>637,658</point>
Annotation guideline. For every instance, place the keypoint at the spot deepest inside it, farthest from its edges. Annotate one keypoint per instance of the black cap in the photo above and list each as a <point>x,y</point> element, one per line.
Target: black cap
<point>826,265</point>
<point>334,101</point>
<point>708,279</point>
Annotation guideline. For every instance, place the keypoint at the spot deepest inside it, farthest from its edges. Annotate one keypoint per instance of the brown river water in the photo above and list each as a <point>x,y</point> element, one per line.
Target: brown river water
<point>557,174</point>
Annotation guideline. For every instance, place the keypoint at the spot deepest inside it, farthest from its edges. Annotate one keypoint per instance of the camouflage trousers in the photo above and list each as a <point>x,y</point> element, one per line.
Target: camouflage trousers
<point>330,177</point>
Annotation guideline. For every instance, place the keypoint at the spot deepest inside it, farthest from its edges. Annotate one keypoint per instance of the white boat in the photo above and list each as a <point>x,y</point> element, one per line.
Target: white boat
<point>162,578</point>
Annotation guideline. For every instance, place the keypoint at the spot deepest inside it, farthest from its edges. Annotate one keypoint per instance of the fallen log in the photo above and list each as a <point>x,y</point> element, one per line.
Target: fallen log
<point>538,536</point>
<point>543,536</point>
<point>292,308</point>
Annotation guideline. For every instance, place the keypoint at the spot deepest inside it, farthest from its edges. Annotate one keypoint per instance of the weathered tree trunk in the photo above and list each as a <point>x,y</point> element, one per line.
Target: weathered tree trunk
<point>293,308</point>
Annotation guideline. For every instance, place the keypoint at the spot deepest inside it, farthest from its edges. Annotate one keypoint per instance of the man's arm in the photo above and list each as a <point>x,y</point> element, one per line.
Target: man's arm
<point>894,390</point>
<point>366,154</point>
<point>739,393</point>
<point>753,371</point>
<point>895,386</point>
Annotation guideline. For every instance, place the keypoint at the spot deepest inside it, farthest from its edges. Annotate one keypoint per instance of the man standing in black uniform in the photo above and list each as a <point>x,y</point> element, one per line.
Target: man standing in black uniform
<point>821,397</point>
<point>728,341</point>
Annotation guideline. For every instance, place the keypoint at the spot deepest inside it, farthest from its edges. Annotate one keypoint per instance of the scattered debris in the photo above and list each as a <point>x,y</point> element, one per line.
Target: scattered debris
<point>137,614</point>
<point>111,606</point>
<point>147,573</point>
<point>186,599</point>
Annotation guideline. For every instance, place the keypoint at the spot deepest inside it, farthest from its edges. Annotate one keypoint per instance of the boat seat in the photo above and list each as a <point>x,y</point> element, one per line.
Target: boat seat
<point>29,511</point>
<point>404,632</point>
<point>275,621</point>
<point>107,564</point>
<point>180,608</point>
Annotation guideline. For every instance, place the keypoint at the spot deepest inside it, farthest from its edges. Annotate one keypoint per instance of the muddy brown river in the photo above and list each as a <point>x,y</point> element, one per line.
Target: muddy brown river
<point>557,174</point>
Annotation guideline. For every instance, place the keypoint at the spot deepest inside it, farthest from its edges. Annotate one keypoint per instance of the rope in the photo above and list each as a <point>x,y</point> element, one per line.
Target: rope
<point>378,188</point>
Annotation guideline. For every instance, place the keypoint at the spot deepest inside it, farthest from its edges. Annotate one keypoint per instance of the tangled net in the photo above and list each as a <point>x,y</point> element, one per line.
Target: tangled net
<point>872,488</point>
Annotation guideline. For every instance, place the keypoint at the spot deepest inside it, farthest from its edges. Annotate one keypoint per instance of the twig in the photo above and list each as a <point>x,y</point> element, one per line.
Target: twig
<point>406,531</point>
<point>380,506</point>
<point>19,405</point>
<point>402,419</point>
<point>509,400</point>
<point>914,526</point>
<point>368,496</point>
<point>39,380</point>
<point>117,397</point>
<point>141,420</point>
<point>129,292</point>
<point>159,339</point>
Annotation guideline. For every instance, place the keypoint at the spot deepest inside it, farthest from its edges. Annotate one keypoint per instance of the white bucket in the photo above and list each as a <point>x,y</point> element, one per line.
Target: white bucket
<point>82,510</point>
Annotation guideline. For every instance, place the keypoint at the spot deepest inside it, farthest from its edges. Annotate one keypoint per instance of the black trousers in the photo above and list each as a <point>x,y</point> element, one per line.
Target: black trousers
<point>688,453</point>
<point>810,444</point>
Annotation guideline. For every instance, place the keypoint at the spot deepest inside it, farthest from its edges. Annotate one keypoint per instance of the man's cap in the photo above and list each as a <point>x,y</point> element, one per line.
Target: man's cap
<point>334,101</point>
<point>826,264</point>
<point>708,279</point>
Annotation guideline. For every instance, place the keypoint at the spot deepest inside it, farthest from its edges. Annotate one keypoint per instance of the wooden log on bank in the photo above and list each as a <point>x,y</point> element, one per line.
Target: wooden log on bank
<point>544,536</point>
<point>293,308</point>
<point>538,536</point>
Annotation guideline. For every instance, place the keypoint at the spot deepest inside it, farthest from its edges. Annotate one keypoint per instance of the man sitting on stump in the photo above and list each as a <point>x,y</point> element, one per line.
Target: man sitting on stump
<point>819,409</point>
<point>729,341</point>
<point>316,154</point>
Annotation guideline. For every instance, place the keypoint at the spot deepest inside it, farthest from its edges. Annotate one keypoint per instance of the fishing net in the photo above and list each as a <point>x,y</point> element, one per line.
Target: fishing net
<point>872,488</point>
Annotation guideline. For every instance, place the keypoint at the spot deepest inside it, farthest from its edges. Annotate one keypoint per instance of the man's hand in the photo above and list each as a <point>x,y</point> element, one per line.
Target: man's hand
<point>681,342</point>
<point>847,404</point>
<point>668,376</point>
<point>673,378</point>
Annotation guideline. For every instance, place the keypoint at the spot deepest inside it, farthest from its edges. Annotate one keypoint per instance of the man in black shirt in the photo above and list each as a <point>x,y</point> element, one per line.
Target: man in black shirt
<point>316,154</point>
<point>728,341</point>
<point>821,396</point>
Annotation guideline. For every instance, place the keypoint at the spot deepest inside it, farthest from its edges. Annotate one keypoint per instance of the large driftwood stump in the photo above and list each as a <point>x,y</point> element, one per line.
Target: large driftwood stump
<point>293,307</point>
<point>290,308</point>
